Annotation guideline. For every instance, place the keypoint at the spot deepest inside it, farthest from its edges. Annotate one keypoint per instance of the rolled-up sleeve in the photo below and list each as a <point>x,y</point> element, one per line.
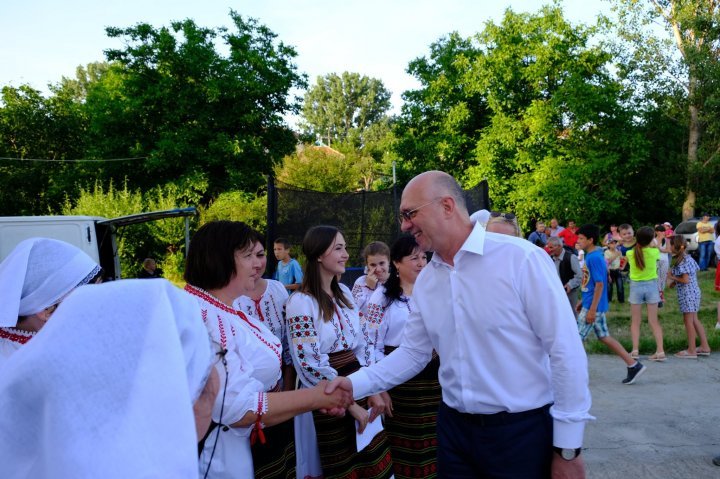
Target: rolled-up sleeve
<point>552,319</point>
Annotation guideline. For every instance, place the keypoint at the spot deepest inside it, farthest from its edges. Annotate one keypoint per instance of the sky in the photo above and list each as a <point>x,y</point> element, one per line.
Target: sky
<point>44,40</point>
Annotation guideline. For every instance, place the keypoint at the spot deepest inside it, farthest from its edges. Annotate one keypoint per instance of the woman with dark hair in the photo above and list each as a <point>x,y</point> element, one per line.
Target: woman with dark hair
<point>221,266</point>
<point>412,422</point>
<point>327,340</point>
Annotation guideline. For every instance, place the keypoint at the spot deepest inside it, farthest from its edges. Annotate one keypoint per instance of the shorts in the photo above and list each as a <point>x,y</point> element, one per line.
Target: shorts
<point>644,292</point>
<point>599,326</point>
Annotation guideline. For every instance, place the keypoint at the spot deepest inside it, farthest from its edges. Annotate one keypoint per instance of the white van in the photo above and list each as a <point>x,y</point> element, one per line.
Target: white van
<point>94,235</point>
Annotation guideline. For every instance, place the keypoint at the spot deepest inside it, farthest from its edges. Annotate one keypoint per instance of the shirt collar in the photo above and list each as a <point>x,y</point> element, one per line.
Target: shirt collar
<point>474,243</point>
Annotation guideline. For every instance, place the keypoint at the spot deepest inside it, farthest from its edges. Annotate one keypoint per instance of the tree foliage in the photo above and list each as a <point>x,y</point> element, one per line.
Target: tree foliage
<point>319,168</point>
<point>529,105</point>
<point>680,83</point>
<point>440,121</point>
<point>340,108</point>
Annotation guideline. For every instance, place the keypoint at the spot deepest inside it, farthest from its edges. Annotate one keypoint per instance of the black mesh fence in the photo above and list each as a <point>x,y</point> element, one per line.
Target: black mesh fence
<point>363,216</point>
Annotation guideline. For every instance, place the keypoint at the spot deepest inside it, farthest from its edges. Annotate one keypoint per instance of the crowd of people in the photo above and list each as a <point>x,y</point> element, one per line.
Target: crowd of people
<point>468,363</point>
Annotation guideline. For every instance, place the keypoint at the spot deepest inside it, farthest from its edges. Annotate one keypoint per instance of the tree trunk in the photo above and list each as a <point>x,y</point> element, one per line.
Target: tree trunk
<point>688,209</point>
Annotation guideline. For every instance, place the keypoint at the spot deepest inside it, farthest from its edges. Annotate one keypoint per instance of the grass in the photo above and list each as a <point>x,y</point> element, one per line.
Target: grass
<point>670,317</point>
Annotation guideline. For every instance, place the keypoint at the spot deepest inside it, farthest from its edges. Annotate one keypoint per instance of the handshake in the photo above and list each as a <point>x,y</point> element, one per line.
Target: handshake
<point>334,397</point>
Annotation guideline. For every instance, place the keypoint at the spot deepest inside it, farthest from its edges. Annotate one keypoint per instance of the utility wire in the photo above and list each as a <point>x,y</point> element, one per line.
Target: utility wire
<point>73,161</point>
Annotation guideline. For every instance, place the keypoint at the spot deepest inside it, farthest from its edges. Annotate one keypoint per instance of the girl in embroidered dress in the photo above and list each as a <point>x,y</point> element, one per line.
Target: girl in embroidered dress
<point>412,422</point>
<point>328,340</point>
<point>36,276</point>
<point>221,266</point>
<point>266,303</point>
<point>683,274</point>
<point>377,263</point>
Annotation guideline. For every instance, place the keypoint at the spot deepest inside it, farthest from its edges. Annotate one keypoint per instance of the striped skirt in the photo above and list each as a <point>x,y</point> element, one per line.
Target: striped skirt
<point>412,429</point>
<point>276,458</point>
<point>336,438</point>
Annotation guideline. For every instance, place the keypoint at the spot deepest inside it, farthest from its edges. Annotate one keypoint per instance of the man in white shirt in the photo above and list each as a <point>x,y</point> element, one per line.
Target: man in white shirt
<point>513,370</point>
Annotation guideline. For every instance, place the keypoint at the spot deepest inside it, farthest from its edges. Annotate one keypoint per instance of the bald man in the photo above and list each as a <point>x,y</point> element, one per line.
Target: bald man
<point>513,370</point>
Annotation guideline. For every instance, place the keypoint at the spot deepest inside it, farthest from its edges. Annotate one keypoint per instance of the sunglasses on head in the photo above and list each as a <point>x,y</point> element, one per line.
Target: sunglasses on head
<point>497,214</point>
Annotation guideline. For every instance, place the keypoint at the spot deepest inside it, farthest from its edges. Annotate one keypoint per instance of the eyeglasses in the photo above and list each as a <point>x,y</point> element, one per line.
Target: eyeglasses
<point>409,215</point>
<point>506,216</point>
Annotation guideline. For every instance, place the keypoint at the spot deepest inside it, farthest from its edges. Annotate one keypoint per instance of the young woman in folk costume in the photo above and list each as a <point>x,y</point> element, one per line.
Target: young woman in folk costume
<point>328,340</point>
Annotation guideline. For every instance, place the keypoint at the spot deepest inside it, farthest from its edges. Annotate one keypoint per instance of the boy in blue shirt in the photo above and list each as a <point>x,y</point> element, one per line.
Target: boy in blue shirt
<point>288,270</point>
<point>593,303</point>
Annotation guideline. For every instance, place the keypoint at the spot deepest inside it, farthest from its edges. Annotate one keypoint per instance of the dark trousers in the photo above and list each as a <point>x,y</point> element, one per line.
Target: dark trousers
<point>497,446</point>
<point>616,278</point>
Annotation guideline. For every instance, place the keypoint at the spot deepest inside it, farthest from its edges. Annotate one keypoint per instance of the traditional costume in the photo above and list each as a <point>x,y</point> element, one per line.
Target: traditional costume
<point>106,389</point>
<point>270,309</point>
<point>253,364</point>
<point>37,274</point>
<point>323,350</point>
<point>411,430</point>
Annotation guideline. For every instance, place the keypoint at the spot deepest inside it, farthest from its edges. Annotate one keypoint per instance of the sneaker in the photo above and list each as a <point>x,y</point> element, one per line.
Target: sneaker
<point>717,326</point>
<point>634,372</point>
<point>716,460</point>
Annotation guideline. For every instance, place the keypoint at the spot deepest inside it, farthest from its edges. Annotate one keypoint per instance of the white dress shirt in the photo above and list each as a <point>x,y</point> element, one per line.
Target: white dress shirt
<point>505,333</point>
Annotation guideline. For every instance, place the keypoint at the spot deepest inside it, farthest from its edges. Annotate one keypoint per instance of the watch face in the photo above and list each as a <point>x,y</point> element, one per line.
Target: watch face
<point>569,454</point>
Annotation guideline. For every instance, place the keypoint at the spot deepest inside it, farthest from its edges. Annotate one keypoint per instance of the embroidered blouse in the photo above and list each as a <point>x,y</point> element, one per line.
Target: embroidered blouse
<point>312,338</point>
<point>385,324</point>
<point>253,357</point>
<point>270,310</point>
<point>11,339</point>
<point>361,293</point>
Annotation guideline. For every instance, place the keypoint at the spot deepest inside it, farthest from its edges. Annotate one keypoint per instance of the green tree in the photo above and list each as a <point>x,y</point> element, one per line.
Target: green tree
<point>190,110</point>
<point>440,121</point>
<point>319,168</point>
<point>34,128</point>
<point>689,74</point>
<point>340,108</point>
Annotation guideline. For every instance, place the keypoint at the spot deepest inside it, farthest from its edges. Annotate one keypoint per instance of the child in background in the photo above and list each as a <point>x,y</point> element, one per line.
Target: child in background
<point>288,270</point>
<point>663,245</point>
<point>626,243</point>
<point>612,258</point>
<point>642,259</point>
<point>377,267</point>
<point>683,274</point>
<point>594,303</point>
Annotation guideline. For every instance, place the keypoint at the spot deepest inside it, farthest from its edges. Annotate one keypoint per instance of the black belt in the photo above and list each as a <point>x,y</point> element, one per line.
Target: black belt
<point>498,418</point>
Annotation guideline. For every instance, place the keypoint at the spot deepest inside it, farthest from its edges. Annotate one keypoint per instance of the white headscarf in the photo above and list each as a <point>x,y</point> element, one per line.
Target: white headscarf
<point>37,274</point>
<point>106,388</point>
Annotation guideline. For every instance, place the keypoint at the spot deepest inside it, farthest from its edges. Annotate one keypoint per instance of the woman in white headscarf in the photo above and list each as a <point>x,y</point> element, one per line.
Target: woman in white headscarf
<point>34,279</point>
<point>107,388</point>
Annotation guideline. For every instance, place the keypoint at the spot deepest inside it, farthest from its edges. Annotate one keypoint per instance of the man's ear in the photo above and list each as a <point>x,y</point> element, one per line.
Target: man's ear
<point>448,205</point>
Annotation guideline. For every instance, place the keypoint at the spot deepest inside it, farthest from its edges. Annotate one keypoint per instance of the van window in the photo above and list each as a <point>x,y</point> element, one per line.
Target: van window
<point>686,228</point>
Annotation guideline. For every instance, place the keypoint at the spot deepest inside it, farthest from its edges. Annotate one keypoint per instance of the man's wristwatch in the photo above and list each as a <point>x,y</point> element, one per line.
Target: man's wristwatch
<point>567,454</point>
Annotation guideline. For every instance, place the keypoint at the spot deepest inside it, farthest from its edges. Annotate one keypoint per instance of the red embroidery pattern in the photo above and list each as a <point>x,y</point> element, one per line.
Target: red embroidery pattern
<point>7,333</point>
<point>205,296</point>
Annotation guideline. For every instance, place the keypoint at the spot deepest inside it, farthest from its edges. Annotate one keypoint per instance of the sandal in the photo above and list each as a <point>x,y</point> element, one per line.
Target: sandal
<point>635,354</point>
<point>685,355</point>
<point>702,352</point>
<point>659,357</point>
